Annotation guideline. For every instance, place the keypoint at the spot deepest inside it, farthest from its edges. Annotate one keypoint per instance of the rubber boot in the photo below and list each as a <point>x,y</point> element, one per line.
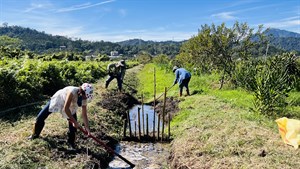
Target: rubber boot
<point>188,92</point>
<point>37,129</point>
<point>180,94</point>
<point>71,140</point>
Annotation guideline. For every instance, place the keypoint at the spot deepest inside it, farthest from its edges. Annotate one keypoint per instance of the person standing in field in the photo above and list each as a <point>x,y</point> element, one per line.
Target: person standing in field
<point>182,77</point>
<point>66,101</point>
<point>116,70</point>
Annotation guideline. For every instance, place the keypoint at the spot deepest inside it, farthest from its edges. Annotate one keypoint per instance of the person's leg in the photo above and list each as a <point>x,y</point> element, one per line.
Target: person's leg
<point>119,83</point>
<point>180,89</point>
<point>72,133</point>
<point>187,81</point>
<point>40,121</point>
<point>109,79</point>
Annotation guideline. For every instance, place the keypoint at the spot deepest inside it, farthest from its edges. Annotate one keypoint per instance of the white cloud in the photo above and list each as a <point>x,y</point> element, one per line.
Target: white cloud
<point>137,34</point>
<point>35,6</point>
<point>66,31</point>
<point>284,23</point>
<point>82,6</point>
<point>225,16</point>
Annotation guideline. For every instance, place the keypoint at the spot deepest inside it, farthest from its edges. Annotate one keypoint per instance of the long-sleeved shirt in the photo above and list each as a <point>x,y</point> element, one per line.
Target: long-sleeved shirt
<point>181,74</point>
<point>115,70</point>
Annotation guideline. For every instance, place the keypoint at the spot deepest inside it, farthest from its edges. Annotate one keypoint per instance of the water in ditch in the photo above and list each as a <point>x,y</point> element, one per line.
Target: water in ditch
<point>143,155</point>
<point>148,110</point>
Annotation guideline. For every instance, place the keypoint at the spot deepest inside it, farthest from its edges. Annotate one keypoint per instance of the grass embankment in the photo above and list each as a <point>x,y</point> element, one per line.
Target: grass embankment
<point>51,150</point>
<point>216,129</point>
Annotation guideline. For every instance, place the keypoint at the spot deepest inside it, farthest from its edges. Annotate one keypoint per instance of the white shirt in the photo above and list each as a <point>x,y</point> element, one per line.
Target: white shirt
<point>59,98</point>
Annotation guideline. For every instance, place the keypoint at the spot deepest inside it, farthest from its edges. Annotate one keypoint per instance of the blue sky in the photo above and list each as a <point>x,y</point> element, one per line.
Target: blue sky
<point>157,20</point>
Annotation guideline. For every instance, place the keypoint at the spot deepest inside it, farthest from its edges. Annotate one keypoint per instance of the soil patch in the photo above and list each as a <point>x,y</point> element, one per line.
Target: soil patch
<point>117,102</point>
<point>91,154</point>
<point>170,108</point>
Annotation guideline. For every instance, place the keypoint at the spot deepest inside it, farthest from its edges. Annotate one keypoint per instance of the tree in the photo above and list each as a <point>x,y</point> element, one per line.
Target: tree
<point>218,47</point>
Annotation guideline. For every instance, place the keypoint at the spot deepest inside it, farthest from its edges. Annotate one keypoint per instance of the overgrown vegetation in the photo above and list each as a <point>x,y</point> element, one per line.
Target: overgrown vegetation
<point>217,127</point>
<point>239,56</point>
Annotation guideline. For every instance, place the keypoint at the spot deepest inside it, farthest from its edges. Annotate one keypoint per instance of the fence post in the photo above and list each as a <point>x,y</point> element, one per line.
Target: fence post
<point>163,114</point>
<point>158,126</point>
<point>169,127</point>
<point>134,128</point>
<point>129,124</point>
<point>147,125</point>
<point>143,114</point>
<point>139,122</point>
<point>154,95</point>
<point>124,127</point>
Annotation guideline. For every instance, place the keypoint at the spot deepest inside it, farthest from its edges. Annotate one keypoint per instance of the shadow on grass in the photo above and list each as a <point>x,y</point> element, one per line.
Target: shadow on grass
<point>93,156</point>
<point>21,113</point>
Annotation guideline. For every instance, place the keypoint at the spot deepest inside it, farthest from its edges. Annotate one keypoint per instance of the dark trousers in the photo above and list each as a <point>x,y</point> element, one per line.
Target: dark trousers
<point>184,83</point>
<point>40,123</point>
<point>111,77</point>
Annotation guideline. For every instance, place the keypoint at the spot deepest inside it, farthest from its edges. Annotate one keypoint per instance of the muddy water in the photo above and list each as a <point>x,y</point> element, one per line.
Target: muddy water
<point>148,110</point>
<point>143,155</point>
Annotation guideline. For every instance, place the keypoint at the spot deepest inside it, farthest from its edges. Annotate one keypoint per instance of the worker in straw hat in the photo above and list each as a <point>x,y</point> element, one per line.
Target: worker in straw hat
<point>66,101</point>
<point>116,70</point>
<point>183,77</point>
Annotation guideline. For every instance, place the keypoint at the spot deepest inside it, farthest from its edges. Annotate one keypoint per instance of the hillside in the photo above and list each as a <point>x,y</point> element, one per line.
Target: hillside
<point>42,42</point>
<point>286,40</point>
<point>278,33</point>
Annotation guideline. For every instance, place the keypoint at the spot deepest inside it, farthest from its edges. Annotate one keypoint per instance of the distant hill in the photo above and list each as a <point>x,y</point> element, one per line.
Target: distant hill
<point>133,42</point>
<point>286,40</point>
<point>41,42</point>
<point>278,33</point>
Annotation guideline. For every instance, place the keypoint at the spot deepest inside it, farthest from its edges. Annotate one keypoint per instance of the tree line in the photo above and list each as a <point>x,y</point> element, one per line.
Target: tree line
<point>42,43</point>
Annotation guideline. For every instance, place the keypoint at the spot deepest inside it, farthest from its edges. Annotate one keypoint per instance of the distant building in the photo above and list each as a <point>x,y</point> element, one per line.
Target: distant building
<point>91,57</point>
<point>114,54</point>
<point>62,47</point>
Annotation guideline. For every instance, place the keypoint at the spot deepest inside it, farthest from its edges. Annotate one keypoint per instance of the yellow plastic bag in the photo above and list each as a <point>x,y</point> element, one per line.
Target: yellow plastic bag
<point>289,130</point>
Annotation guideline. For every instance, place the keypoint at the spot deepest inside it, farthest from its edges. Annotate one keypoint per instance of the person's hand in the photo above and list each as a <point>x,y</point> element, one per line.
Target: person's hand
<point>75,124</point>
<point>88,131</point>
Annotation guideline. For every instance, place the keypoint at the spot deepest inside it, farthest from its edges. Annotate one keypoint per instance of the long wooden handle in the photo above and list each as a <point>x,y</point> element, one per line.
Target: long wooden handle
<point>110,150</point>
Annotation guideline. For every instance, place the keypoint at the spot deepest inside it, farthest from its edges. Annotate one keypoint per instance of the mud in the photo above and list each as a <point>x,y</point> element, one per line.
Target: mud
<point>92,155</point>
<point>143,155</point>
<point>171,107</point>
<point>117,102</point>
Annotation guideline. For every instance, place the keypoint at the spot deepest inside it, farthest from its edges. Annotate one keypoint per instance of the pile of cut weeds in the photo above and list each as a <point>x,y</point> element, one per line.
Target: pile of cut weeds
<point>88,151</point>
<point>117,102</point>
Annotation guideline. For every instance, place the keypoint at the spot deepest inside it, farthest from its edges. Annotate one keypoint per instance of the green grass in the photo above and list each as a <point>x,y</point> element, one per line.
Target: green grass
<point>215,128</point>
<point>163,79</point>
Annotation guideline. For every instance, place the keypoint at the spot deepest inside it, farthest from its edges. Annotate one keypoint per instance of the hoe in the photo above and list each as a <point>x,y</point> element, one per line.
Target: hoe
<point>110,150</point>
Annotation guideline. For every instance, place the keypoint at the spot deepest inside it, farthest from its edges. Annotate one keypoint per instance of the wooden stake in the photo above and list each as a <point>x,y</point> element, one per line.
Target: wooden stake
<point>139,122</point>
<point>163,115</point>
<point>147,125</point>
<point>134,128</point>
<point>124,127</point>
<point>129,124</point>
<point>158,126</point>
<point>143,114</point>
<point>154,95</point>
<point>169,127</point>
